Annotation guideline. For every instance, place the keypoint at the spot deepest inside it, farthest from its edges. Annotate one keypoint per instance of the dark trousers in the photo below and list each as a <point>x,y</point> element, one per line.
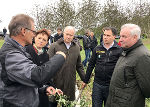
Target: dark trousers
<point>44,102</point>
<point>51,104</point>
<point>99,95</point>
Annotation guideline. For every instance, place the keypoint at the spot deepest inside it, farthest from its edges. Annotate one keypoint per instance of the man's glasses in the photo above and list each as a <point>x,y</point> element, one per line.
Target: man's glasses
<point>34,32</point>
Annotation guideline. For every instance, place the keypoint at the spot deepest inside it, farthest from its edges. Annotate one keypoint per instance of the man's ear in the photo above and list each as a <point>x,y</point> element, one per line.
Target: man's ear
<point>135,36</point>
<point>22,31</point>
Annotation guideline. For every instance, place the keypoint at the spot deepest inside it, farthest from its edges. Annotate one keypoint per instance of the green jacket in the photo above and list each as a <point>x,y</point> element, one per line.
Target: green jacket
<point>66,78</point>
<point>130,82</point>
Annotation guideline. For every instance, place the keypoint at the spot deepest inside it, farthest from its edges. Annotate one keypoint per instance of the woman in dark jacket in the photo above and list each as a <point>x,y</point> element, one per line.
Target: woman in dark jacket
<point>39,56</point>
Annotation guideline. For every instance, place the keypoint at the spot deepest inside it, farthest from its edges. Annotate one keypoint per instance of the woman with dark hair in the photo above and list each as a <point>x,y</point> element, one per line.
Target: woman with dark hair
<point>39,56</point>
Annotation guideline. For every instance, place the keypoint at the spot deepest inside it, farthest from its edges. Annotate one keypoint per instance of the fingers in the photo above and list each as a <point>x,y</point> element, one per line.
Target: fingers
<point>51,90</point>
<point>83,85</point>
<point>59,91</point>
<point>61,53</point>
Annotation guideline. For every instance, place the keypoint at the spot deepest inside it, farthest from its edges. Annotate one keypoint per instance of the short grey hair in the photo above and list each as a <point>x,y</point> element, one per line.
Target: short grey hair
<point>19,21</point>
<point>134,29</point>
<point>70,27</point>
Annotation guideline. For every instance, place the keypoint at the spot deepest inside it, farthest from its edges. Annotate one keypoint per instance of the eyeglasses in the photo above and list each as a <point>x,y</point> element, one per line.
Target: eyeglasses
<point>34,32</point>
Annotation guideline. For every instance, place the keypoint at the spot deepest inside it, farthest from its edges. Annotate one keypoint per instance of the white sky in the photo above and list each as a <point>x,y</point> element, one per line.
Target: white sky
<point>10,8</point>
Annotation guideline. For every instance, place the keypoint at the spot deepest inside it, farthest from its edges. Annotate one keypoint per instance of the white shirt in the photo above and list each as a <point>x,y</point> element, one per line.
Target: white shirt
<point>109,47</point>
<point>68,45</point>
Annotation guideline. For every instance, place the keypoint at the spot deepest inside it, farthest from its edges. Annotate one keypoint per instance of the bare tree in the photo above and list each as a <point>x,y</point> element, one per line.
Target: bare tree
<point>52,16</point>
<point>43,16</point>
<point>88,15</point>
<point>64,14</point>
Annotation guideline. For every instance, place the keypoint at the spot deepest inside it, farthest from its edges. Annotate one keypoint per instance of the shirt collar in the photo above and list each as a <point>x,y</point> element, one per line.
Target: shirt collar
<point>109,47</point>
<point>18,44</point>
<point>68,45</point>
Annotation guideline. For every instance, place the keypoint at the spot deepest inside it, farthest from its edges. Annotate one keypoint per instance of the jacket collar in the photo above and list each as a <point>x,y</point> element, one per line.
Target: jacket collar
<point>14,43</point>
<point>61,40</point>
<point>127,50</point>
<point>114,45</point>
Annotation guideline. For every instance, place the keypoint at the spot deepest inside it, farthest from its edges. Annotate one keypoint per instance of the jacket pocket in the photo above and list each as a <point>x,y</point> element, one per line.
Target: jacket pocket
<point>121,99</point>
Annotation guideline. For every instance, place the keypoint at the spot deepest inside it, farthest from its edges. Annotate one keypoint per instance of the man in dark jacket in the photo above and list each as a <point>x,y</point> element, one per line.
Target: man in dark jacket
<point>104,59</point>
<point>93,41</point>
<point>20,77</point>
<point>66,78</point>
<point>58,35</point>
<point>130,82</point>
<point>86,46</point>
<point>4,31</point>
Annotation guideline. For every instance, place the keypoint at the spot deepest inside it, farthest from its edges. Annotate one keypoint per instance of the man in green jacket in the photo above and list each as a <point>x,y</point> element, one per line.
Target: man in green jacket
<point>130,82</point>
<point>66,78</point>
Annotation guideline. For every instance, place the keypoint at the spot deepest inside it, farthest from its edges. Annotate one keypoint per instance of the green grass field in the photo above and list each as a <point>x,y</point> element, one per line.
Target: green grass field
<point>86,95</point>
<point>1,42</point>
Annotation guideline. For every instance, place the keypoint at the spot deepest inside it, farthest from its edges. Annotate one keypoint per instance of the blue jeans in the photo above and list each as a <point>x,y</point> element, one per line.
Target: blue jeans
<point>99,94</point>
<point>87,56</point>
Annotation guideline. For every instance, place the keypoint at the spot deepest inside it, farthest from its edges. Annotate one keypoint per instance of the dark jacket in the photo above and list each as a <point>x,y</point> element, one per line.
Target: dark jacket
<point>75,39</point>
<point>20,77</point>
<point>39,60</point>
<point>66,78</point>
<point>130,82</point>
<point>86,42</point>
<point>101,38</point>
<point>104,62</point>
<point>4,30</point>
<point>56,36</point>
<point>93,43</point>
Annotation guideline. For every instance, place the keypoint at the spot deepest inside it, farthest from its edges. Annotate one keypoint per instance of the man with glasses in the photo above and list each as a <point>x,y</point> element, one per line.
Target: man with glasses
<point>20,77</point>
<point>34,32</point>
<point>66,78</point>
<point>104,59</point>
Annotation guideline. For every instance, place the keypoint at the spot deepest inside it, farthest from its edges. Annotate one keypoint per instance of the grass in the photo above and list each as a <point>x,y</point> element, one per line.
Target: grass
<point>88,90</point>
<point>1,42</point>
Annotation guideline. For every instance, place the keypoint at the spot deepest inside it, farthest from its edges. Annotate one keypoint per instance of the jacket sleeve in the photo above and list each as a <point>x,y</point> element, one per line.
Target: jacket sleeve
<point>79,68</point>
<point>51,51</point>
<point>84,42</point>
<point>142,72</point>
<point>42,74</point>
<point>22,70</point>
<point>91,66</point>
<point>96,41</point>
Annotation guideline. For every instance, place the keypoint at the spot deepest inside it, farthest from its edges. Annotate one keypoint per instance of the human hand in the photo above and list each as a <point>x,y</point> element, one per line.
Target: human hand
<point>59,91</point>
<point>48,46</point>
<point>83,85</point>
<point>61,53</point>
<point>50,90</point>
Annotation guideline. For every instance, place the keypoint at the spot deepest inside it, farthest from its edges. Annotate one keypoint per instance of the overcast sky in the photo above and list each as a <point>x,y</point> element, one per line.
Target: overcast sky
<point>10,8</point>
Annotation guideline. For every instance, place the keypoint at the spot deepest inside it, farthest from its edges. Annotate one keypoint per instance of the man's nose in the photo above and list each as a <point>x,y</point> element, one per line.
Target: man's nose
<point>120,39</point>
